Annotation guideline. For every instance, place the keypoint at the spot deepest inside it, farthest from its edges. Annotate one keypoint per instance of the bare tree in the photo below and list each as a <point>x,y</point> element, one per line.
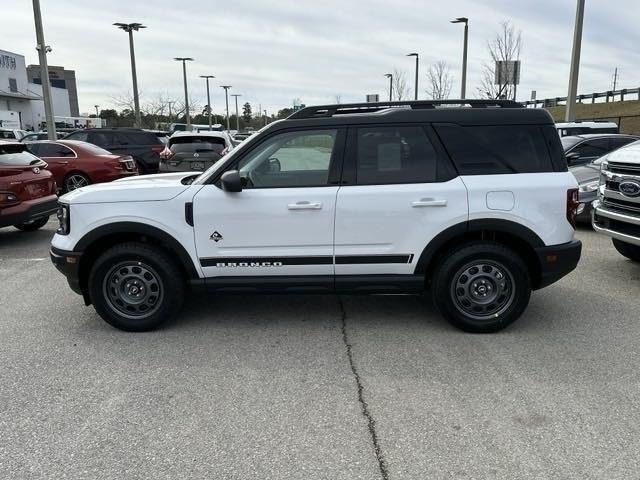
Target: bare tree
<point>399,86</point>
<point>505,46</point>
<point>440,81</point>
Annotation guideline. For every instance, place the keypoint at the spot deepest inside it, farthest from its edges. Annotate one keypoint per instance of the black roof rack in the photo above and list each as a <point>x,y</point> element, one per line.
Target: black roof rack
<point>350,108</point>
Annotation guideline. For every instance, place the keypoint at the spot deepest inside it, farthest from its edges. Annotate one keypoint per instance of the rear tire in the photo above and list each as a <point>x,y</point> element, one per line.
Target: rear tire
<point>73,181</point>
<point>632,252</point>
<point>33,225</point>
<point>136,287</point>
<point>481,287</point>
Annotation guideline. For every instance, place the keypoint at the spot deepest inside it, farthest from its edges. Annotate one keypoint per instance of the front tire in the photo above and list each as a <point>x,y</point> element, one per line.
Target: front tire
<point>481,287</point>
<point>33,225</point>
<point>632,252</point>
<point>136,287</point>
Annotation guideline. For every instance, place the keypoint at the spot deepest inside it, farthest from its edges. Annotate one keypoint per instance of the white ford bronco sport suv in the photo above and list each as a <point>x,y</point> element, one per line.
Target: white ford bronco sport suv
<point>468,199</point>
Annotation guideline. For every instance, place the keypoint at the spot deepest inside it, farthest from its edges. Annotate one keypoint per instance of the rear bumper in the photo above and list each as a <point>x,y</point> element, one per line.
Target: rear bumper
<point>556,261</point>
<point>29,210</point>
<point>68,263</point>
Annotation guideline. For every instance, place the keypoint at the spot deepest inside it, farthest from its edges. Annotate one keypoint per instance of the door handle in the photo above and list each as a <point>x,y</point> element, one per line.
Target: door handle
<point>304,205</point>
<point>429,202</point>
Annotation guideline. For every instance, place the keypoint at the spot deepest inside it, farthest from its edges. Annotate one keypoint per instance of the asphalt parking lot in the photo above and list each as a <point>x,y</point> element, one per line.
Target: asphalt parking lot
<point>317,387</point>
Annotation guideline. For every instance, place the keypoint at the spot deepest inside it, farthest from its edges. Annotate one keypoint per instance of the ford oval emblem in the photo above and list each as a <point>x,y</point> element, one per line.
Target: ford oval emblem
<point>630,188</point>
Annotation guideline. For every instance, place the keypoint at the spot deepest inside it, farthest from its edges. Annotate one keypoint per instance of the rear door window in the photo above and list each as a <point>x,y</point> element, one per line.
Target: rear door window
<point>496,149</point>
<point>395,155</point>
<point>592,148</point>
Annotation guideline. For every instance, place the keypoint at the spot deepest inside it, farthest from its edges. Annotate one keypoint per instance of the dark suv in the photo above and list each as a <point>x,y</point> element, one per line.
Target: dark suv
<point>143,146</point>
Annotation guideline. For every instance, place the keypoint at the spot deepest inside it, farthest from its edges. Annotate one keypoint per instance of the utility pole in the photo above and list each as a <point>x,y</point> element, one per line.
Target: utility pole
<point>43,49</point>
<point>615,79</point>
<point>97,114</point>
<point>236,95</point>
<point>570,110</point>
<point>463,87</point>
<point>130,28</point>
<point>265,117</point>
<point>390,77</point>
<point>417,62</point>
<point>226,96</point>
<point>184,61</point>
<point>209,109</point>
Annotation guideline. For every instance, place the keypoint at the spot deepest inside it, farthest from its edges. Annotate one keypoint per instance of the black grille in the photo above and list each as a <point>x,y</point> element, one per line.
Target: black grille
<point>617,226</point>
<point>616,204</point>
<point>624,168</point>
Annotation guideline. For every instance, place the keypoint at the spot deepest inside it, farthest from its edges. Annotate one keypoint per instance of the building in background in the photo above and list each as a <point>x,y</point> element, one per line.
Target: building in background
<point>21,103</point>
<point>59,78</point>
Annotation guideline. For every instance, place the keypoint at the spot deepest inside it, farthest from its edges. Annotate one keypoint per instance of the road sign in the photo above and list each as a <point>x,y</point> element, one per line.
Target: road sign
<point>507,72</point>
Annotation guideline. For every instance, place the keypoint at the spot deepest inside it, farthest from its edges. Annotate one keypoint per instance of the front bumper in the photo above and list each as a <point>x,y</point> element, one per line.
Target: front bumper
<point>68,263</point>
<point>28,211</point>
<point>556,261</point>
<point>616,224</point>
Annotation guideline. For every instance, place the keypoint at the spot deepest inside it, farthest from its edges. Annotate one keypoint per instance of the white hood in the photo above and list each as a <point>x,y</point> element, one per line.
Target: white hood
<point>144,188</point>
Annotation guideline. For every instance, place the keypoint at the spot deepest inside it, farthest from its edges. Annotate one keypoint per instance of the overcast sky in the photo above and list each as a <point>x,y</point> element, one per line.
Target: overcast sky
<point>274,51</point>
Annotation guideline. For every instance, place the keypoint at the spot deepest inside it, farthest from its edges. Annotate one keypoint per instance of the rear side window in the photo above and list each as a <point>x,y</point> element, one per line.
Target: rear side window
<point>499,149</point>
<point>592,148</point>
<point>135,138</point>
<point>197,144</point>
<point>16,156</point>
<point>79,136</point>
<point>50,150</point>
<point>387,155</point>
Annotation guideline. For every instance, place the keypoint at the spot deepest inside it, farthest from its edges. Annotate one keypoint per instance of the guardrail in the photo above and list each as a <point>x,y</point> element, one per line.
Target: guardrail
<point>609,96</point>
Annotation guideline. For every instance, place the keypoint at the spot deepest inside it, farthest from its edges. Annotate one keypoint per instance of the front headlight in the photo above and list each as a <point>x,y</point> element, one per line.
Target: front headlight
<point>589,187</point>
<point>64,219</point>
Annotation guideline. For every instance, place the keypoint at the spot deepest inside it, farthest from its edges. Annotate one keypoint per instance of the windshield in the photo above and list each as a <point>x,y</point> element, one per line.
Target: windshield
<point>197,144</point>
<point>11,157</point>
<point>568,142</point>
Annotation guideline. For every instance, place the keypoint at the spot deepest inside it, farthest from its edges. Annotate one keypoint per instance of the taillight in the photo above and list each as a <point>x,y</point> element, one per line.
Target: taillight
<point>7,199</point>
<point>572,206</point>
<point>166,154</point>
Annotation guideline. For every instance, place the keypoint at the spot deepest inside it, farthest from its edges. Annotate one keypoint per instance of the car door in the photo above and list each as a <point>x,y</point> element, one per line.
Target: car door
<point>402,192</point>
<point>57,156</point>
<point>282,222</point>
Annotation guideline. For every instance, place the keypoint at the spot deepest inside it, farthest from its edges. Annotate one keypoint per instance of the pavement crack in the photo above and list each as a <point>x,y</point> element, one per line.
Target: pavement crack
<point>371,423</point>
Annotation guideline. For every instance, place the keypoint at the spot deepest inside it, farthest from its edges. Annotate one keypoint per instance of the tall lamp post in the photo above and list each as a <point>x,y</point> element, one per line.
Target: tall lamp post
<point>570,110</point>
<point>184,61</point>
<point>207,77</point>
<point>43,49</point>
<point>417,62</point>
<point>390,77</point>
<point>226,96</point>
<point>236,95</point>
<point>97,107</point>
<point>463,88</point>
<point>130,28</point>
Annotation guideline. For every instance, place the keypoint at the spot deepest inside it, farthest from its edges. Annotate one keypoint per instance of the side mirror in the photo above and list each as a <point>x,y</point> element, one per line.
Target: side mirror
<point>274,165</point>
<point>231,181</point>
<point>573,158</point>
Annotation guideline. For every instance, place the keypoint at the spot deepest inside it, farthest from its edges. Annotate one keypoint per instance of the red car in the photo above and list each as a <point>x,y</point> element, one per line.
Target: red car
<point>75,164</point>
<point>27,189</point>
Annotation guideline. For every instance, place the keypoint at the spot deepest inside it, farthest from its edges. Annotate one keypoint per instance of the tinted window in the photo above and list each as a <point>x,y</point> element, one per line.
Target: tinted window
<point>50,150</point>
<point>592,148</point>
<point>135,138</point>
<point>394,155</point>
<point>487,150</point>
<point>617,142</point>
<point>568,142</point>
<point>293,159</point>
<point>80,136</point>
<point>199,144</point>
<point>101,139</point>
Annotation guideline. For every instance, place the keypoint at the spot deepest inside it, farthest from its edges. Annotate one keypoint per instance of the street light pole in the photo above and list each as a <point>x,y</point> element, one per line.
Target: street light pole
<point>184,61</point>
<point>570,110</point>
<point>97,114</point>
<point>43,49</point>
<point>463,88</point>
<point>226,96</point>
<point>390,77</point>
<point>130,28</point>
<point>236,95</point>
<point>207,77</point>
<point>417,62</point>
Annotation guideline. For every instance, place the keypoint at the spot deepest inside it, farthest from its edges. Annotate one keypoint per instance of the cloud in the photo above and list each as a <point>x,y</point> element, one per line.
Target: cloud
<point>273,52</point>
